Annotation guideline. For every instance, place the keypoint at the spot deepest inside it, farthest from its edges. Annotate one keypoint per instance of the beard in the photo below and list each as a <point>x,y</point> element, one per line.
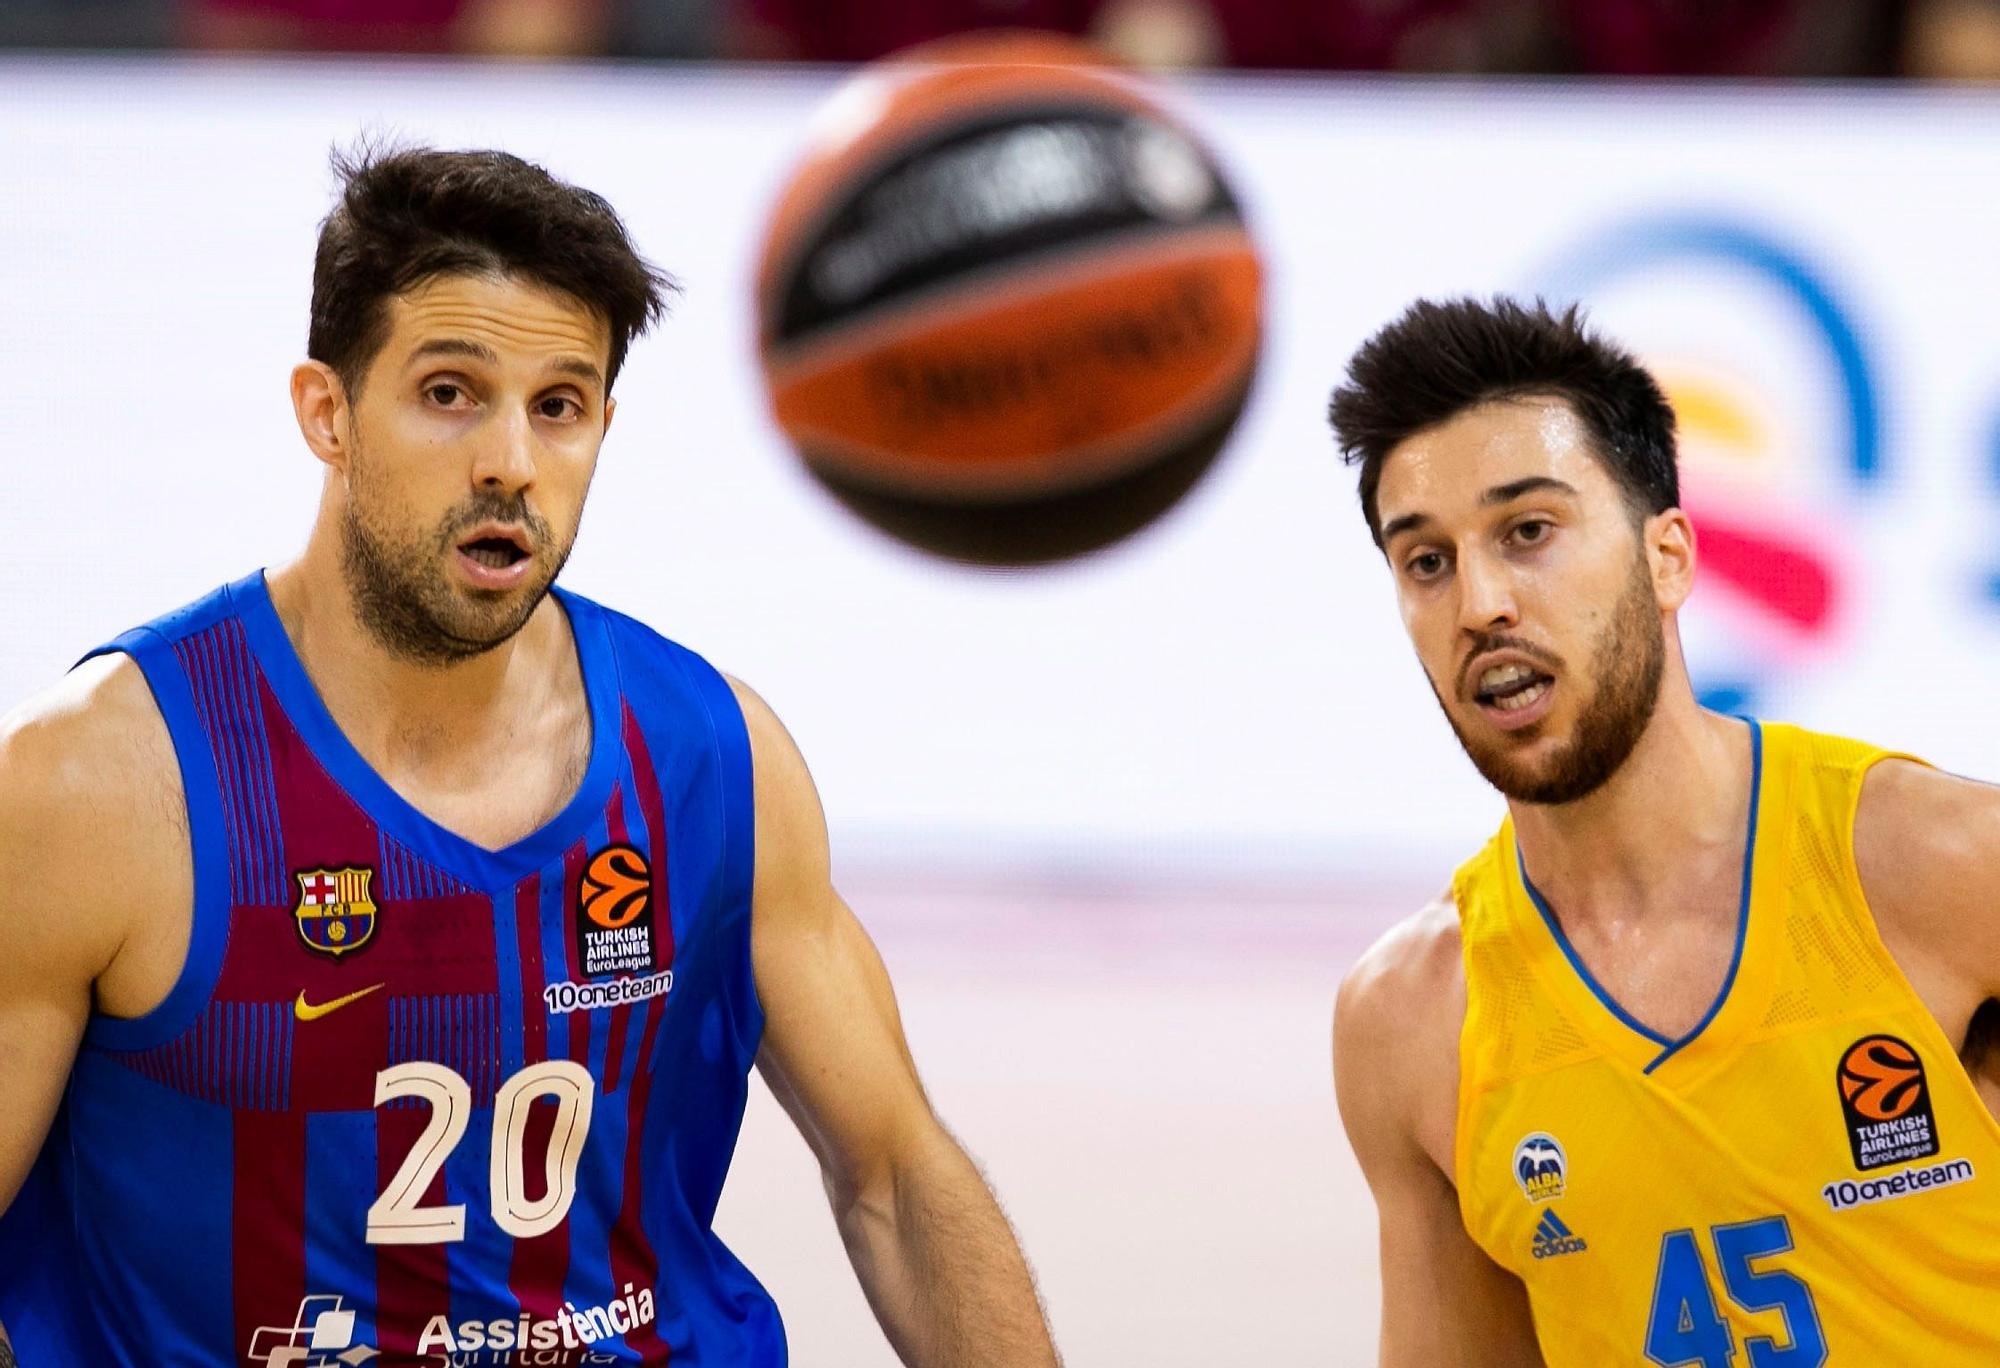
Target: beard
<point>401,590</point>
<point>1628,660</point>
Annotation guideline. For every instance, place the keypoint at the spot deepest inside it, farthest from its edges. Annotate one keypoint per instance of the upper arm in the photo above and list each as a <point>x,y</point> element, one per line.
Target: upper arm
<point>1395,1075</point>
<point>1927,849</point>
<point>63,756</point>
<point>833,1050</point>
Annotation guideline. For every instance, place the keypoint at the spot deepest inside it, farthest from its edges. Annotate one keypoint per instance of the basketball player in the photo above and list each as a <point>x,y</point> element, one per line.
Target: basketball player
<point>385,940</point>
<point>1693,1064</point>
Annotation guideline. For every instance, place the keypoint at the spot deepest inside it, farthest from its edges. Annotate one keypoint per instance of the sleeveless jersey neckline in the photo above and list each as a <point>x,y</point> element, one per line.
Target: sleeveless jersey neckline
<point>1623,1035</point>
<point>477,865</point>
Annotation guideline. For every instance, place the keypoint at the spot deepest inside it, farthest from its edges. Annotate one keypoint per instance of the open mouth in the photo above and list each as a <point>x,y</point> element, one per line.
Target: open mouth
<point>1511,688</point>
<point>495,551</point>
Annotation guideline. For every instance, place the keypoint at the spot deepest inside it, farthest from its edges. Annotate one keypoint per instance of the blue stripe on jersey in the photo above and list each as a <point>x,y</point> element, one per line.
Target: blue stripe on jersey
<point>239,716</point>
<point>471,1264</point>
<point>555,956</point>
<point>600,1189</point>
<point>208,838</point>
<point>737,819</point>
<point>507,977</point>
<point>640,838</point>
<point>601,1174</point>
<point>635,1033</point>
<point>43,1296</point>
<point>340,1170</point>
<point>188,1153</point>
<point>480,1261</point>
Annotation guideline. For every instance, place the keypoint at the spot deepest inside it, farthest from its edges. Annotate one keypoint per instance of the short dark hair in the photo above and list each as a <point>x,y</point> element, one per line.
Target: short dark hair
<point>1442,358</point>
<point>409,214</point>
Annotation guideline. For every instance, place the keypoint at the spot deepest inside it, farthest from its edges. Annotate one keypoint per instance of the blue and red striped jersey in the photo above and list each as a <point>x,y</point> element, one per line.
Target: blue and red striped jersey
<point>412,1100</point>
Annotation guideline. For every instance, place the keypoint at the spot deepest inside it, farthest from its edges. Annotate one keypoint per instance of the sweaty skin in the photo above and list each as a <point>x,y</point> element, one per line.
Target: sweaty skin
<point>483,411</point>
<point>1501,523</point>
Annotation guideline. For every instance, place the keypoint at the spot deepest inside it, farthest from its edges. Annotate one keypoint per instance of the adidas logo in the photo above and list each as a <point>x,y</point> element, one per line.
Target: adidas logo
<point>1552,1238</point>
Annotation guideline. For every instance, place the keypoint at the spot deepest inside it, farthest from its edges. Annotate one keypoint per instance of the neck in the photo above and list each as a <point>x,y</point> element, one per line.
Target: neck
<point>1671,818</point>
<point>394,710</point>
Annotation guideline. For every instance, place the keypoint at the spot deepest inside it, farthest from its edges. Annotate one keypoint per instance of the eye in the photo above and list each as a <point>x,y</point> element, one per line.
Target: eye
<point>1532,531</point>
<point>444,393</point>
<point>559,406</point>
<point>1425,565</point>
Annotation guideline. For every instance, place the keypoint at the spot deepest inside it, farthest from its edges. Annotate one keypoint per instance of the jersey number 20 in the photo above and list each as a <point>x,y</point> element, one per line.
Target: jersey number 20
<point>396,1217</point>
<point>1685,1326</point>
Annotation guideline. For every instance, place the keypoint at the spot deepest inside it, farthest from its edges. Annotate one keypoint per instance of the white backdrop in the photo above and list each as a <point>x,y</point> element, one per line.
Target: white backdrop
<point>1226,700</point>
<point>1228,693</point>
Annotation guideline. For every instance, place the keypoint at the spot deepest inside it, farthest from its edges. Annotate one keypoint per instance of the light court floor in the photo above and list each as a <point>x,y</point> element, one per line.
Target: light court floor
<point>1146,1079</point>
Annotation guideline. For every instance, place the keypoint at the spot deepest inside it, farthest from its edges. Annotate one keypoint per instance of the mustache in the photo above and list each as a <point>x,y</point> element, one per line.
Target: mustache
<point>487,507</point>
<point>1487,642</point>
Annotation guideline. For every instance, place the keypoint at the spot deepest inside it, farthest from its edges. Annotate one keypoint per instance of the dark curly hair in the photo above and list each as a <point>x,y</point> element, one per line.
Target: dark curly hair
<point>408,214</point>
<point>1440,359</point>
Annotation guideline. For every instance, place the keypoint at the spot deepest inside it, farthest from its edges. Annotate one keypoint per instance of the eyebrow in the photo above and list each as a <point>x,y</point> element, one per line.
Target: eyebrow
<point>1514,489</point>
<point>479,351</point>
<point>1498,494</point>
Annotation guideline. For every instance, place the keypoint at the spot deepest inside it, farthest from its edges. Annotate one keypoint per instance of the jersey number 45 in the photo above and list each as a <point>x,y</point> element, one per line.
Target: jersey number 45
<point>1685,1326</point>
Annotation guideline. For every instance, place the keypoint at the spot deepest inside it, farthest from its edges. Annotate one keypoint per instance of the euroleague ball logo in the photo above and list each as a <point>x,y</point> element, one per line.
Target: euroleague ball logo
<point>1881,1078</point>
<point>617,887</point>
<point>614,913</point>
<point>1780,430</point>
<point>1886,1101</point>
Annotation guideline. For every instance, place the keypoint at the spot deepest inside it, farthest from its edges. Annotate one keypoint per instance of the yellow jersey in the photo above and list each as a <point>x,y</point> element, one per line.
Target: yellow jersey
<point>1807,1177</point>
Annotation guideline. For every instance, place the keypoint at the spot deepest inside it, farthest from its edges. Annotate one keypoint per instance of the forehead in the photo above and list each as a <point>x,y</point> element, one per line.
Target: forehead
<point>1443,471</point>
<point>517,319</point>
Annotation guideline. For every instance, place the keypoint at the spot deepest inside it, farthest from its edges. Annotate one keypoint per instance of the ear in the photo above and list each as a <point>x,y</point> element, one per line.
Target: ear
<point>1670,552</point>
<point>610,411</point>
<point>319,400</point>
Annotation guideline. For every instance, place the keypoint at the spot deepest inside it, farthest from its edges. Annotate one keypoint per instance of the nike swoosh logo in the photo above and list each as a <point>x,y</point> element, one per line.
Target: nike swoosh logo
<point>307,1011</point>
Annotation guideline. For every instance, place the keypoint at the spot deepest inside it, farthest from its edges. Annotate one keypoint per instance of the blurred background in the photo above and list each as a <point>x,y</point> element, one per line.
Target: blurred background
<point>1119,824</point>
<point>1735,38</point>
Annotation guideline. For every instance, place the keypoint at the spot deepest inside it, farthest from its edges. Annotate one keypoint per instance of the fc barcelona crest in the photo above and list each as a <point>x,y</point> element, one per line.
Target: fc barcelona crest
<point>335,913</point>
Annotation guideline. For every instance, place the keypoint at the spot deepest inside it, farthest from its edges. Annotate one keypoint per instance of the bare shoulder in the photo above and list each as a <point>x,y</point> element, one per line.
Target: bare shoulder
<point>88,780</point>
<point>784,784</point>
<point>793,877</point>
<point>90,746</point>
<point>1927,849</point>
<point>1910,809</point>
<point>1411,976</point>
<point>1396,1026</point>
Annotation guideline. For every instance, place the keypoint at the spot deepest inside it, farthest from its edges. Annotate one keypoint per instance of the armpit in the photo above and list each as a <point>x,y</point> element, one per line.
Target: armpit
<point>1981,1053</point>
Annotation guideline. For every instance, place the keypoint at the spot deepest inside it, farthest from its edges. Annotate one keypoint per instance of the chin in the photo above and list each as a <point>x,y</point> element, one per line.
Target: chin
<point>491,616</point>
<point>1520,764</point>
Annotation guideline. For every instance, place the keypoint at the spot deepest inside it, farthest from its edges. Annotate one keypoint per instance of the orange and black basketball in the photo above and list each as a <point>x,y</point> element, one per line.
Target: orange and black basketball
<point>1008,307</point>
<point>617,886</point>
<point>1881,1078</point>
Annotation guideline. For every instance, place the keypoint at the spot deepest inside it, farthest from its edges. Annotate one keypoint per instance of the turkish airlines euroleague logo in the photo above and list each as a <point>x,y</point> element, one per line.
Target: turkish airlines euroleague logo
<point>614,913</point>
<point>1887,1101</point>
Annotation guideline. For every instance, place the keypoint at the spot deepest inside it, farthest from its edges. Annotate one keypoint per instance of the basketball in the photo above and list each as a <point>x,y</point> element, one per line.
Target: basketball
<point>1008,307</point>
<point>616,887</point>
<point>1881,1078</point>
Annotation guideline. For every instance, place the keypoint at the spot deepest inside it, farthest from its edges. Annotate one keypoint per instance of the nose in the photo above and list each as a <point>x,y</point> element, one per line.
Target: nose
<point>505,460</point>
<point>1485,595</point>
